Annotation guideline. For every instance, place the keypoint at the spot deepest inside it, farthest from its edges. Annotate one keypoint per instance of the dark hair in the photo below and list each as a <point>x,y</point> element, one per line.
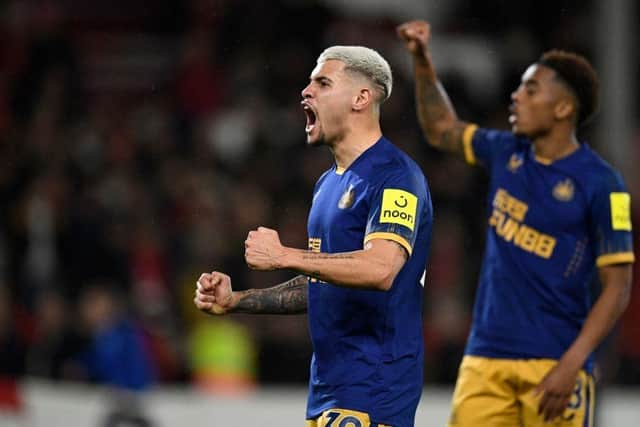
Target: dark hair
<point>578,74</point>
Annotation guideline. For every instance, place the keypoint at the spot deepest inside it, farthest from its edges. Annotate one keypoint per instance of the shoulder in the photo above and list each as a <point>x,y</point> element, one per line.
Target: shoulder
<point>487,145</point>
<point>502,139</point>
<point>596,170</point>
<point>598,177</point>
<point>393,163</point>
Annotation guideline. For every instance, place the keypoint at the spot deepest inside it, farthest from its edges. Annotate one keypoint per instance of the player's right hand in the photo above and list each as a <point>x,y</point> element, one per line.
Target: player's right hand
<point>214,294</point>
<point>416,35</point>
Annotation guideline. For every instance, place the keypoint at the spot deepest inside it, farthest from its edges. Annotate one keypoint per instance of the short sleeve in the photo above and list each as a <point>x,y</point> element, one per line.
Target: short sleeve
<point>397,210</point>
<point>482,146</point>
<point>611,222</point>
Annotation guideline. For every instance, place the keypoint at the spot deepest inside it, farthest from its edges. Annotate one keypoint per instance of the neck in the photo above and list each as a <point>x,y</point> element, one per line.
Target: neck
<point>555,144</point>
<point>357,141</point>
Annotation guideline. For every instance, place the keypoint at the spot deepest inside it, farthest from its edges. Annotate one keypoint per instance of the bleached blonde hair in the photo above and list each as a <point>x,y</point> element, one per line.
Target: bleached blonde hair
<point>366,62</point>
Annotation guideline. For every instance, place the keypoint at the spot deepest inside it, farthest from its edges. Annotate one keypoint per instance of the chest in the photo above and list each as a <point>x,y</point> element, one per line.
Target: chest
<point>542,197</point>
<point>340,205</point>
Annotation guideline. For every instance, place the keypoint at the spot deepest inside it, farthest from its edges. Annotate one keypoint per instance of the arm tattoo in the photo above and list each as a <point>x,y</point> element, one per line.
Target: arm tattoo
<point>322,256</point>
<point>286,298</point>
<point>451,139</point>
<point>432,106</point>
<point>437,116</point>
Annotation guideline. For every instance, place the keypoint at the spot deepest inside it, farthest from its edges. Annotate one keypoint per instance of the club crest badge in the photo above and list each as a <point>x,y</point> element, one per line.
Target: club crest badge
<point>514,163</point>
<point>346,201</point>
<point>564,190</point>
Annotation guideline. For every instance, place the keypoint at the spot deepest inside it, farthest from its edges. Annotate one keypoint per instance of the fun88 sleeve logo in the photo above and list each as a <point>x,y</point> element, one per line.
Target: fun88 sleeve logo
<point>399,207</point>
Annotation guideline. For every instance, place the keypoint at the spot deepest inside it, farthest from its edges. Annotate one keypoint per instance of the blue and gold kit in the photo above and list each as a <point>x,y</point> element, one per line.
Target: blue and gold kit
<point>368,345</point>
<point>550,225</point>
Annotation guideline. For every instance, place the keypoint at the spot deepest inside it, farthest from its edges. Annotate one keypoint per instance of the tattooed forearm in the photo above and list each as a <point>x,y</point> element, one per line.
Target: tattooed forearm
<point>451,139</point>
<point>323,256</point>
<point>432,105</point>
<point>436,114</point>
<point>286,298</point>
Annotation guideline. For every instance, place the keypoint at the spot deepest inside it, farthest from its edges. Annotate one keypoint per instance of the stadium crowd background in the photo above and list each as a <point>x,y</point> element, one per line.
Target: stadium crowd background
<point>140,141</point>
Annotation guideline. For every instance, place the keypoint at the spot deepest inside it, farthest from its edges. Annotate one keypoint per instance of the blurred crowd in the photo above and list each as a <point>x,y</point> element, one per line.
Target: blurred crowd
<point>141,141</point>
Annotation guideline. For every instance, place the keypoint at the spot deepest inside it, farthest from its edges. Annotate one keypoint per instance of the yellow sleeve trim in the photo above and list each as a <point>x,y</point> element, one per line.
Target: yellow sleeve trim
<point>467,138</point>
<point>618,258</point>
<point>390,236</point>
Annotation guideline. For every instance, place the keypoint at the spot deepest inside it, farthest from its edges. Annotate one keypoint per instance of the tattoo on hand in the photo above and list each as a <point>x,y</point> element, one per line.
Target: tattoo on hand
<point>286,298</point>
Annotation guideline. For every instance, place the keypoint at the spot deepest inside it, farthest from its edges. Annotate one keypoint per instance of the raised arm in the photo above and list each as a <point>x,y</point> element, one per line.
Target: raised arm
<point>436,114</point>
<point>214,295</point>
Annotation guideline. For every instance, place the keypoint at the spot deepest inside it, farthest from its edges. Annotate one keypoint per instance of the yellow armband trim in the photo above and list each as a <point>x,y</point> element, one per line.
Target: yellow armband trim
<point>617,258</point>
<point>390,236</point>
<point>467,138</point>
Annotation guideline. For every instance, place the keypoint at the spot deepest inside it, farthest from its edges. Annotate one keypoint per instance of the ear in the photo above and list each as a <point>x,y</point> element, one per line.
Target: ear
<point>362,99</point>
<point>564,108</point>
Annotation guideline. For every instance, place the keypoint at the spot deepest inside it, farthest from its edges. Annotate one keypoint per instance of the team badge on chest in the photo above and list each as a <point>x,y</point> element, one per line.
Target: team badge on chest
<point>564,190</point>
<point>514,163</point>
<point>347,198</point>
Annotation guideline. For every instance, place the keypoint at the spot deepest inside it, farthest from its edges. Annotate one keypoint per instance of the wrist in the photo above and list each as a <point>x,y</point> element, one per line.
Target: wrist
<point>573,359</point>
<point>287,259</point>
<point>234,301</point>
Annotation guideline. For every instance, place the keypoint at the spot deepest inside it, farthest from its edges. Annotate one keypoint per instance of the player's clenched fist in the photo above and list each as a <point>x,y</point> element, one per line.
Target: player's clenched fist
<point>263,250</point>
<point>214,294</point>
<point>416,35</point>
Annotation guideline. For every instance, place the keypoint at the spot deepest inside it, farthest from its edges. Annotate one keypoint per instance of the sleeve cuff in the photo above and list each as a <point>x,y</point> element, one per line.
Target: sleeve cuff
<point>617,258</point>
<point>390,236</point>
<point>467,138</point>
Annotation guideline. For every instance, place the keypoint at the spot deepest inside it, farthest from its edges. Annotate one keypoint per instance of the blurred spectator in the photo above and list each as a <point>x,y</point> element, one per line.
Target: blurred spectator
<point>116,355</point>
<point>55,344</point>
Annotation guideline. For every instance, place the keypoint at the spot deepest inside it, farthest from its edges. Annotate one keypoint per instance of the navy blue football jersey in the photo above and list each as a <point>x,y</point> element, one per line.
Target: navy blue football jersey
<point>550,224</point>
<point>368,345</point>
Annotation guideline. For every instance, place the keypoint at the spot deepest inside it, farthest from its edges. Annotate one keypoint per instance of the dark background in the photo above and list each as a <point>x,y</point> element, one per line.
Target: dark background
<point>140,141</point>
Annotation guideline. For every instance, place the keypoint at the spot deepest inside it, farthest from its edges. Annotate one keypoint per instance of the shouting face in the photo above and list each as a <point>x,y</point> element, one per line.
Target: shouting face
<point>327,102</point>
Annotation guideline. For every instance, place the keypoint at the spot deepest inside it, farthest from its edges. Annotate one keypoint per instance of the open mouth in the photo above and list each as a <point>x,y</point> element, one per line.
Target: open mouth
<point>311,117</point>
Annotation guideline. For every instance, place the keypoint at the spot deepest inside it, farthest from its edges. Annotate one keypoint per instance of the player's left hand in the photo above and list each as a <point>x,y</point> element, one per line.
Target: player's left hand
<point>263,250</point>
<point>556,389</point>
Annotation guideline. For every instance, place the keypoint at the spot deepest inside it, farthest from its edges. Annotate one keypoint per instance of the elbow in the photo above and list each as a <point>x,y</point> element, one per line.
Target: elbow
<point>384,280</point>
<point>434,133</point>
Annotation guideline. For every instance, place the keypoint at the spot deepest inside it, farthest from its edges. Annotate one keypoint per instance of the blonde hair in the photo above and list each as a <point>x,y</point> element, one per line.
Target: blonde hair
<point>366,62</point>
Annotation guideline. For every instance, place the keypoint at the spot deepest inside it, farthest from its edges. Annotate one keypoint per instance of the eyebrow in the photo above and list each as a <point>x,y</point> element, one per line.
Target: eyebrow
<point>321,79</point>
<point>531,83</point>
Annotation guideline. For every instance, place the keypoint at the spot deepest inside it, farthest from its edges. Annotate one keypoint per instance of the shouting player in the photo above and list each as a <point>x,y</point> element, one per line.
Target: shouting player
<point>369,230</point>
